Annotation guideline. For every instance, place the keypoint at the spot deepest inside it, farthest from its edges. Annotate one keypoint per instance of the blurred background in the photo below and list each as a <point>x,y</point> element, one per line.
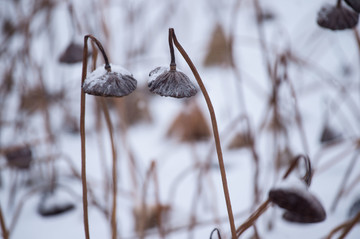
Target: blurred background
<point>280,84</point>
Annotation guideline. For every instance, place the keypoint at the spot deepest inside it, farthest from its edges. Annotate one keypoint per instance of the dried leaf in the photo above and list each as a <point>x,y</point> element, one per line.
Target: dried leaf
<point>151,217</point>
<point>240,140</point>
<point>190,125</point>
<point>219,49</point>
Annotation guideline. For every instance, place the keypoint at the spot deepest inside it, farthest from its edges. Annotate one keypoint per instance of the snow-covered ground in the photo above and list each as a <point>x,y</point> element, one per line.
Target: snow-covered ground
<point>320,77</point>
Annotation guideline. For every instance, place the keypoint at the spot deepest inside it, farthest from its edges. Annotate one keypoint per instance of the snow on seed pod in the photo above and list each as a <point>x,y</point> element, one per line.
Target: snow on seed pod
<point>337,17</point>
<point>114,82</point>
<point>301,206</point>
<point>167,81</point>
<point>354,4</point>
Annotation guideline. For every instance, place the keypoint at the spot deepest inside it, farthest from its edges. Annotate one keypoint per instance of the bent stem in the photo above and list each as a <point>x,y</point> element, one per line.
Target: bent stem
<point>82,126</point>
<point>214,127</point>
<point>114,168</point>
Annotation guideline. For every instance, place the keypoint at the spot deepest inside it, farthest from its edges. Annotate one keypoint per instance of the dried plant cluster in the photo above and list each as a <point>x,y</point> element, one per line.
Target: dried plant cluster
<point>56,154</point>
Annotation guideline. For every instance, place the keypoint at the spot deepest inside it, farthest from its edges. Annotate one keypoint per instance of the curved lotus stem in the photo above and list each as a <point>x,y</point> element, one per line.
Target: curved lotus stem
<point>82,127</point>
<point>215,130</point>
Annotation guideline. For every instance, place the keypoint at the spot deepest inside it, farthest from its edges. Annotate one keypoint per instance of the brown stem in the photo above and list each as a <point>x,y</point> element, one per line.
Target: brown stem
<point>338,3</point>
<point>172,54</point>
<point>308,175</point>
<point>5,232</point>
<point>83,146</point>
<point>99,45</point>
<point>215,130</point>
<point>82,126</point>
<point>250,221</point>
<point>114,168</point>
<point>350,226</point>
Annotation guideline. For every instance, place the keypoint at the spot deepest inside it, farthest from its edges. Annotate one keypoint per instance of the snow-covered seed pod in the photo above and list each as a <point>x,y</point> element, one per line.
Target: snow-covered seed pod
<point>167,81</point>
<point>112,82</point>
<point>337,17</point>
<point>354,4</point>
<point>301,206</point>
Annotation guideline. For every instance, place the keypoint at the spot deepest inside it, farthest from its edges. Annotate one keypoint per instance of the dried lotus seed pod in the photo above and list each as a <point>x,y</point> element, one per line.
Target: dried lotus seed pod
<point>115,82</point>
<point>337,17</point>
<point>170,82</point>
<point>300,205</point>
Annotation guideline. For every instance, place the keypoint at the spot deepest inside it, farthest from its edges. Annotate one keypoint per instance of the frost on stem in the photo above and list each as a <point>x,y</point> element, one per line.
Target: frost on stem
<point>337,17</point>
<point>166,81</point>
<point>116,82</point>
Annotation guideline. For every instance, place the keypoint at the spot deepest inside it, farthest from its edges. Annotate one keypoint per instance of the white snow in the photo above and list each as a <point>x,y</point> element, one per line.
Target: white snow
<point>136,37</point>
